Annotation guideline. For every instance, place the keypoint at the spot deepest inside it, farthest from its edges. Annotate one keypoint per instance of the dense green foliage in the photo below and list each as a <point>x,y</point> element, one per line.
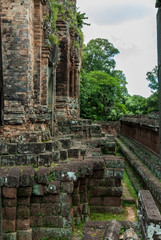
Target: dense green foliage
<point>136,105</point>
<point>153,100</point>
<point>98,55</point>
<point>152,77</point>
<point>103,89</point>
<point>103,94</point>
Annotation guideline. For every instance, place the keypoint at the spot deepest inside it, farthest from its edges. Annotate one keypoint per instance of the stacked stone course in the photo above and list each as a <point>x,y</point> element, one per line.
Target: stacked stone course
<point>149,216</point>
<point>50,201</point>
<point>39,79</point>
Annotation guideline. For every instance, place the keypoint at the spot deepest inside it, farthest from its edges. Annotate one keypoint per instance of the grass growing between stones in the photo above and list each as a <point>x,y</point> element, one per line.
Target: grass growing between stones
<point>78,231</point>
<point>124,216</point>
<point>129,185</point>
<point>129,209</point>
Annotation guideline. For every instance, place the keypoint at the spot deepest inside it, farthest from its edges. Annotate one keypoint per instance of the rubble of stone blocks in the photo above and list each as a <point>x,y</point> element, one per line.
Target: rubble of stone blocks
<point>49,201</point>
<point>74,139</point>
<point>149,216</point>
<point>107,230</point>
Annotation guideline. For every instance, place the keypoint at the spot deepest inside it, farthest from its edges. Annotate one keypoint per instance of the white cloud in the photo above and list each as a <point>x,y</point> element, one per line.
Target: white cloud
<point>134,36</point>
<point>116,14</point>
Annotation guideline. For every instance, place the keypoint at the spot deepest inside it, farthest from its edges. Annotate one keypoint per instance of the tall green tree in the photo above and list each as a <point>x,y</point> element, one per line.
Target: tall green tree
<point>153,100</point>
<point>136,104</point>
<point>98,56</point>
<point>101,97</point>
<point>103,88</point>
<point>152,78</point>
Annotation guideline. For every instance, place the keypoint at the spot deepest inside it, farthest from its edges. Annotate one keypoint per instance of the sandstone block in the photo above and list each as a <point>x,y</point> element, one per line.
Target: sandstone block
<point>10,236</point>
<point>9,225</point>
<point>112,201</point>
<point>53,221</point>
<point>96,201</point>
<point>46,209</point>
<point>118,173</point>
<point>56,209</point>
<point>24,191</point>
<point>65,209</point>
<point>63,154</point>
<point>65,198</point>
<point>51,199</point>
<point>54,187</point>
<point>73,153</point>
<point>24,235</point>
<point>23,212</point>
<point>10,193</point>
<point>23,224</point>
<point>34,209</point>
<point>36,221</point>
<point>27,176</point>
<point>98,165</point>
<point>67,187</point>
<point>31,148</point>
<point>38,190</point>
<point>23,201</point>
<point>12,148</point>
<point>56,156</point>
<point>108,173</point>
<point>9,213</point>
<point>45,159</point>
<point>42,175</point>
<point>9,202</point>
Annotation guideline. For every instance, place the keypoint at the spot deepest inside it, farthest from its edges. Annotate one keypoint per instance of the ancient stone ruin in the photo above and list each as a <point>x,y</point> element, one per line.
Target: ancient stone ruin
<point>55,168</point>
<point>52,170</point>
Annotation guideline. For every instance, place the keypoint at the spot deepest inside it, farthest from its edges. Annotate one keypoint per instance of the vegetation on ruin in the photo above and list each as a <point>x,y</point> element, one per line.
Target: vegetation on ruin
<point>129,185</point>
<point>65,11</point>
<point>103,92</point>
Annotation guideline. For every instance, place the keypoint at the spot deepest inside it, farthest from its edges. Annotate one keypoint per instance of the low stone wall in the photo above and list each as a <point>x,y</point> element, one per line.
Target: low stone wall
<point>143,129</point>
<point>151,182</point>
<point>110,127</point>
<point>46,203</point>
<point>149,216</point>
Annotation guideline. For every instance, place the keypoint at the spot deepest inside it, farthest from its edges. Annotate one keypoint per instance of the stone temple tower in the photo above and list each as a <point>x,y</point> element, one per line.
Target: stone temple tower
<point>39,67</point>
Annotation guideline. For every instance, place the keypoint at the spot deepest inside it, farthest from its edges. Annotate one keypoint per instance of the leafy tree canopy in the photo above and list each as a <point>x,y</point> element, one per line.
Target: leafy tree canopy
<point>98,56</point>
<point>101,97</point>
<point>136,104</point>
<point>152,77</point>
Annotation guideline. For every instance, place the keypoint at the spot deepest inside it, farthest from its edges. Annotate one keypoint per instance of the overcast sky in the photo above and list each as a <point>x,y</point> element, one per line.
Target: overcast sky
<point>131,26</point>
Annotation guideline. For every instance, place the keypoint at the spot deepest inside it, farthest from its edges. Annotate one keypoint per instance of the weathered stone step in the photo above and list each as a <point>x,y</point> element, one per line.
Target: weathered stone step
<point>152,161</point>
<point>107,147</point>
<point>133,178</point>
<point>99,230</point>
<point>149,216</point>
<point>152,182</point>
<point>66,142</point>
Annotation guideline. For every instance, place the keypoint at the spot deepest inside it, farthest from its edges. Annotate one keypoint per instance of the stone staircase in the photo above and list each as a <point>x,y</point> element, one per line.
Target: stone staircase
<point>74,140</point>
<point>147,172</point>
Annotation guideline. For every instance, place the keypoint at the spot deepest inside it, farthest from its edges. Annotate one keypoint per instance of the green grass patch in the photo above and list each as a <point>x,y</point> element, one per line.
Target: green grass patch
<point>129,185</point>
<point>78,230</point>
<point>108,216</point>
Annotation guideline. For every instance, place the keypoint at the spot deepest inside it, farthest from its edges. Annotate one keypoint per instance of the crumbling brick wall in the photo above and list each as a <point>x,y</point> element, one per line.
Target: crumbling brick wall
<point>47,202</point>
<point>33,82</point>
